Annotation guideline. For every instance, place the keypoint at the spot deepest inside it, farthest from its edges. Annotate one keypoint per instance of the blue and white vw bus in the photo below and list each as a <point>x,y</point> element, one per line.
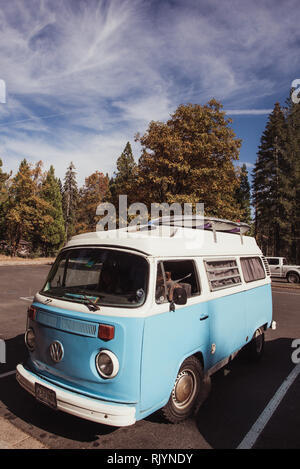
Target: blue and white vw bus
<point>130,322</point>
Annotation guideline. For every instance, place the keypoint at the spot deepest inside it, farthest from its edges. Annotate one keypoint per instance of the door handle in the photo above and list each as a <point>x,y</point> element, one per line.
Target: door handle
<point>202,318</point>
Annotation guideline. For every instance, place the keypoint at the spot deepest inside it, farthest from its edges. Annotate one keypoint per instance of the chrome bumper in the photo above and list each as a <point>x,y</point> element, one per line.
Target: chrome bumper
<point>81,406</point>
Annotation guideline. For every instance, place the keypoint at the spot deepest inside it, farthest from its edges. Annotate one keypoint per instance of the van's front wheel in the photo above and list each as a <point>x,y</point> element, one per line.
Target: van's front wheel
<point>186,391</point>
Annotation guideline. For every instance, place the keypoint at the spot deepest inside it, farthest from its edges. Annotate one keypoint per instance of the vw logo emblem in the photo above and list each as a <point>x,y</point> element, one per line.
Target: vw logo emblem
<point>56,351</point>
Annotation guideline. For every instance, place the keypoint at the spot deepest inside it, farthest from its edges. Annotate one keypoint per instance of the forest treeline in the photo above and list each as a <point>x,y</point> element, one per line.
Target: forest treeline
<point>191,158</point>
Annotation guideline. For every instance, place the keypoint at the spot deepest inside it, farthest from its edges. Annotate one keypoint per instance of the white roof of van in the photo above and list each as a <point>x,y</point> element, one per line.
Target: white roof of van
<point>168,241</point>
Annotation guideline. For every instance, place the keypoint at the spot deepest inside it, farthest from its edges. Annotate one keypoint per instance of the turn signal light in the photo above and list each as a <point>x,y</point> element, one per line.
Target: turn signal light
<point>31,313</point>
<point>106,332</point>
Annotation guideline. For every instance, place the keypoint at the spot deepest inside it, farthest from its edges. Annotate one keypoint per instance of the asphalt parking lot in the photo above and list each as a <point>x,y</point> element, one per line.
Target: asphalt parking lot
<point>250,405</point>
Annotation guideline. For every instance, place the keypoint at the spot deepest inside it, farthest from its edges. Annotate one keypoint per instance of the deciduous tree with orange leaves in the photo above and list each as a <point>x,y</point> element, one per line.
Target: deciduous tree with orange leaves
<point>190,158</point>
<point>91,195</point>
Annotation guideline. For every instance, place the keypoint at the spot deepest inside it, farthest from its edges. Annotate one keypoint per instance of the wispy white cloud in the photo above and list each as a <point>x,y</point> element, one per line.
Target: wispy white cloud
<point>88,154</point>
<point>249,112</point>
<point>83,77</point>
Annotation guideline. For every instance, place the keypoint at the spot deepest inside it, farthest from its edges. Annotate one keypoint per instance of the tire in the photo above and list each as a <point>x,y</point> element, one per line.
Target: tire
<point>186,391</point>
<point>293,277</point>
<point>256,347</point>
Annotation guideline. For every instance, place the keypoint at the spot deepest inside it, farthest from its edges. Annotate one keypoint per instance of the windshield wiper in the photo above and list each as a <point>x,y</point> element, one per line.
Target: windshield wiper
<point>72,292</point>
<point>91,304</point>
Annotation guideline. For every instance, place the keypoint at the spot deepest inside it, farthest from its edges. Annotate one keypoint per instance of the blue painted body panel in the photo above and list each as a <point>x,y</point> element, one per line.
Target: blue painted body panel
<point>258,305</point>
<point>168,339</point>
<point>235,318</point>
<point>77,370</point>
<point>171,337</point>
<point>150,350</point>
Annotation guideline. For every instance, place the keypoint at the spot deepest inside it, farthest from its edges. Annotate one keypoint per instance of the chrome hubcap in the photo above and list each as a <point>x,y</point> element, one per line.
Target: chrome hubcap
<point>184,389</point>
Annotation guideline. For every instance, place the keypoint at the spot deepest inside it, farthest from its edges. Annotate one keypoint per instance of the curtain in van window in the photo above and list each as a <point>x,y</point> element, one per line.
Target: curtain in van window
<point>252,269</point>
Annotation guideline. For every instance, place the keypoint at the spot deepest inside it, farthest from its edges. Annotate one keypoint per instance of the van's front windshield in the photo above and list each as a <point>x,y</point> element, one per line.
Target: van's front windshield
<point>98,276</point>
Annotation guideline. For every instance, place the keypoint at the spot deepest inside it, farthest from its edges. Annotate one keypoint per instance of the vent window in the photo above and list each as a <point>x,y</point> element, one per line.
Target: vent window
<point>222,273</point>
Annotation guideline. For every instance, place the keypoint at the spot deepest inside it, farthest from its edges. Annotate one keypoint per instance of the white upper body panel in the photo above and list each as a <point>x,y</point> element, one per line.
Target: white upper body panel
<point>171,242</point>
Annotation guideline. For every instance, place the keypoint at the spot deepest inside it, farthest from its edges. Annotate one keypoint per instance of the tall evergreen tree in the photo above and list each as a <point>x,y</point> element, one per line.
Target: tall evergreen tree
<point>271,187</point>
<point>4,177</point>
<point>125,176</point>
<point>124,181</point>
<point>52,231</point>
<point>60,187</point>
<point>242,195</point>
<point>26,210</point>
<point>3,180</point>
<point>93,192</point>
<point>20,206</point>
<point>70,200</point>
<point>293,156</point>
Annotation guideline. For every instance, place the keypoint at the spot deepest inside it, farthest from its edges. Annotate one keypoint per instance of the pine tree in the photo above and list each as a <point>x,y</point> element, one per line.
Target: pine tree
<point>293,156</point>
<point>4,177</point>
<point>19,206</point>
<point>93,192</point>
<point>242,195</point>
<point>271,187</point>
<point>3,180</point>
<point>124,180</point>
<point>70,200</point>
<point>60,187</point>
<point>52,232</point>
<point>125,176</point>
<point>25,208</point>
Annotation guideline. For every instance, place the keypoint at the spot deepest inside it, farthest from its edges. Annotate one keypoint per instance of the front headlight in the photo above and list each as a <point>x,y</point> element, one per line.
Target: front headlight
<point>30,339</point>
<point>107,364</point>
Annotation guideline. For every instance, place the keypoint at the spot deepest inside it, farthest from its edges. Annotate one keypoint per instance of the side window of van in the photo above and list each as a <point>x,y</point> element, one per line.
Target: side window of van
<point>252,269</point>
<point>173,274</point>
<point>222,273</point>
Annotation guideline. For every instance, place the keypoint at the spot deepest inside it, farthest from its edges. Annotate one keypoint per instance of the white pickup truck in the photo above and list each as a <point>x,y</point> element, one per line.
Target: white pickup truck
<point>279,268</point>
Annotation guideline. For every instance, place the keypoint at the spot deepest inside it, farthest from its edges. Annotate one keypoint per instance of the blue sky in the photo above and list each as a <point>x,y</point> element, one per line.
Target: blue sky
<point>83,77</point>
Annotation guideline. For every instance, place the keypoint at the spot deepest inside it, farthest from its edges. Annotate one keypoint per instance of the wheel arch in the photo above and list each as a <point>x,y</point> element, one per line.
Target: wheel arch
<point>199,356</point>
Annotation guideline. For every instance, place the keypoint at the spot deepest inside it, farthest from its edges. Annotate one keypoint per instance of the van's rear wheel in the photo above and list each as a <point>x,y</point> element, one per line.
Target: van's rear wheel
<point>186,391</point>
<point>256,347</point>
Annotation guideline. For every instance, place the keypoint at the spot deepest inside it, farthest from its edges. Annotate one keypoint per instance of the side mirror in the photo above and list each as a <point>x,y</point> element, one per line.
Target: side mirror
<point>180,296</point>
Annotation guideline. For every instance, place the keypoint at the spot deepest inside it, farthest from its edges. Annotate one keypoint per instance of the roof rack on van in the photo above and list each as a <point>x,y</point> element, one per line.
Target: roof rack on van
<point>203,223</point>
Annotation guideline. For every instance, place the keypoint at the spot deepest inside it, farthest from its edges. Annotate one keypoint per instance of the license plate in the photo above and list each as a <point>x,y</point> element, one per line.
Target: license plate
<point>45,395</point>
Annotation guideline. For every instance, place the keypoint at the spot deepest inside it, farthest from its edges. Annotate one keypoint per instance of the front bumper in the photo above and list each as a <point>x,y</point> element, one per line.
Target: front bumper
<point>81,406</point>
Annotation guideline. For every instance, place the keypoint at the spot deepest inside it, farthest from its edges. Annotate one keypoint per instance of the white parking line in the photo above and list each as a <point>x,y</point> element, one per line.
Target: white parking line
<point>267,413</point>
<point>8,374</point>
<point>26,298</point>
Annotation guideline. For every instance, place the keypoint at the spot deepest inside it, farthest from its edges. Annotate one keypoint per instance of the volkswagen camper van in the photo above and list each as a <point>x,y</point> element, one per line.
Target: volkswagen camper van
<point>130,322</point>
